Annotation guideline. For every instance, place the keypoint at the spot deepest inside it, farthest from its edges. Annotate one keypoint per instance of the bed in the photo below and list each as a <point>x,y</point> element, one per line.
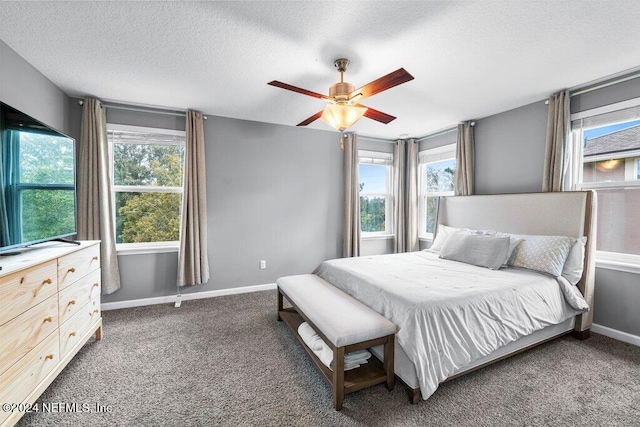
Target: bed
<point>455,317</point>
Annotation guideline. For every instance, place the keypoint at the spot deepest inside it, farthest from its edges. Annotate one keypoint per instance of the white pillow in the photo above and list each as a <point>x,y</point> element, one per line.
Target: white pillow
<point>574,265</point>
<point>572,295</point>
<point>546,254</point>
<point>477,249</point>
<point>443,234</point>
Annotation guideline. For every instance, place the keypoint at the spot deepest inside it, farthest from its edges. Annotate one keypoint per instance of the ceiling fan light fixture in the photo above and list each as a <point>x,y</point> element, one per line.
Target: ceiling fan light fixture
<point>342,116</point>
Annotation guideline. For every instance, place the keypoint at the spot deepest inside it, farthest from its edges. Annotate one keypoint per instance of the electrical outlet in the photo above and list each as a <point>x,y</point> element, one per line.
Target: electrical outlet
<point>263,264</point>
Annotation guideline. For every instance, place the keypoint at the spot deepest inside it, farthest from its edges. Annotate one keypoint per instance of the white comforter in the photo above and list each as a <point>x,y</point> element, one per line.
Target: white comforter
<point>449,314</point>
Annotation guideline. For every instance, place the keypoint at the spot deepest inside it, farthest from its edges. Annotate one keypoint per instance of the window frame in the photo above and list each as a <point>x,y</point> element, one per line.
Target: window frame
<point>425,158</point>
<point>573,181</point>
<point>141,247</point>
<point>385,160</point>
<point>17,187</point>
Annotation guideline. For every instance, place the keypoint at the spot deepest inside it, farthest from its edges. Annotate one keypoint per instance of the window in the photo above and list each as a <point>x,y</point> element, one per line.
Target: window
<point>436,171</point>
<point>605,157</point>
<point>147,172</point>
<point>40,189</point>
<point>374,171</point>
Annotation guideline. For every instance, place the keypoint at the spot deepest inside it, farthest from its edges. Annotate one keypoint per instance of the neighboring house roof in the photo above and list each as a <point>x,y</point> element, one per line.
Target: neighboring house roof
<point>619,141</point>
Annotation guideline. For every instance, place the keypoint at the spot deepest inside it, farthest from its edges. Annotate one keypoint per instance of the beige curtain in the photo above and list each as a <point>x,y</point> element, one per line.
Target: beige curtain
<point>405,178</point>
<point>399,181</point>
<point>95,207</point>
<point>411,242</point>
<point>465,159</point>
<point>555,155</point>
<point>193,259</point>
<point>351,238</point>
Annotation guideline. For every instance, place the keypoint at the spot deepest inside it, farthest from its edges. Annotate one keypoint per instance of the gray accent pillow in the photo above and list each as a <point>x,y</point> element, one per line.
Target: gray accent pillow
<point>546,254</point>
<point>477,249</point>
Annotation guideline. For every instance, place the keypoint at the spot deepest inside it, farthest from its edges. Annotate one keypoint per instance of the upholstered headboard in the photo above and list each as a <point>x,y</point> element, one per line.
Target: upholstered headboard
<point>559,214</point>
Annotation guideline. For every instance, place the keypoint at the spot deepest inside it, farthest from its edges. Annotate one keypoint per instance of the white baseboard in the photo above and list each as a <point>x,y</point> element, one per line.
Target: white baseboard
<point>184,297</point>
<point>616,334</point>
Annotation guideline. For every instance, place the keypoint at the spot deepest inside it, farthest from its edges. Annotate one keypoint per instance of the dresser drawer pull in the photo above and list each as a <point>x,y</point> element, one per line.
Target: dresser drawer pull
<point>95,258</point>
<point>71,270</point>
<point>72,302</point>
<point>95,285</point>
<point>48,319</point>
<point>72,334</point>
<point>44,282</point>
<point>95,311</point>
<point>48,356</point>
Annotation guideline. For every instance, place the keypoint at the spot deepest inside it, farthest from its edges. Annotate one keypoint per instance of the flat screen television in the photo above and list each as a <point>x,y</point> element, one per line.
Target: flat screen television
<point>37,182</point>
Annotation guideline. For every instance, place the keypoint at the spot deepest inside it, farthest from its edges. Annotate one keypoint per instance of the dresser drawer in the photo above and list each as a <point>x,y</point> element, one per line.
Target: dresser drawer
<point>22,378</point>
<point>72,331</point>
<point>26,288</point>
<point>76,296</point>
<point>77,264</point>
<point>21,334</point>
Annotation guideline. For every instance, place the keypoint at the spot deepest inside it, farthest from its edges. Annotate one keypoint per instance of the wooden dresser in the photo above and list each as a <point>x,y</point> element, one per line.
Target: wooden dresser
<point>49,308</point>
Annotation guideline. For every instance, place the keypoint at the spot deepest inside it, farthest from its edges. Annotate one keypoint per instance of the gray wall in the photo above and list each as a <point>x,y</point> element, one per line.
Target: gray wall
<point>617,295</point>
<point>27,90</point>
<point>510,150</point>
<point>439,140</point>
<point>509,158</point>
<point>274,193</point>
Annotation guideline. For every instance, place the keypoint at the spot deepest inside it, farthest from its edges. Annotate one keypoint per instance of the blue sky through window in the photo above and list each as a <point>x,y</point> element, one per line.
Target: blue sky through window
<point>596,132</point>
<point>374,178</point>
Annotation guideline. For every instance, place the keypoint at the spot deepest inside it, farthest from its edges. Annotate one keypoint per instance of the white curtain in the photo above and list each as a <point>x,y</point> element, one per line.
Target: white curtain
<point>193,259</point>
<point>351,229</point>
<point>95,206</point>
<point>405,179</point>
<point>556,150</point>
<point>465,160</point>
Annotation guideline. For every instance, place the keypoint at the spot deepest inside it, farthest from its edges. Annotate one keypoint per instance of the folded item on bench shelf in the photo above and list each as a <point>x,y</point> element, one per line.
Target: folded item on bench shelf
<point>309,336</point>
<point>325,354</point>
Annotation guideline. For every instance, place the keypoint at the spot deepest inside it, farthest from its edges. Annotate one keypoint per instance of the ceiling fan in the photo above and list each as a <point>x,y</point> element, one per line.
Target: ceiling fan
<point>344,107</point>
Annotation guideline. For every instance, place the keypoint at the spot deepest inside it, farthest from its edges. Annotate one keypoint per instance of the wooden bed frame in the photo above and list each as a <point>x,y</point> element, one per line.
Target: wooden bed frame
<point>564,213</point>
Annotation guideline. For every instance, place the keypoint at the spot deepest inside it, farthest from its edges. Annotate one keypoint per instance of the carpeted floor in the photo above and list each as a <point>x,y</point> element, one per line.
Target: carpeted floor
<point>227,362</point>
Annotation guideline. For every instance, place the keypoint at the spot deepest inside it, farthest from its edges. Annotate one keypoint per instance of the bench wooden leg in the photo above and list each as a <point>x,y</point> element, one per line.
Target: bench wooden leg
<point>388,361</point>
<point>338,377</point>
<point>280,305</point>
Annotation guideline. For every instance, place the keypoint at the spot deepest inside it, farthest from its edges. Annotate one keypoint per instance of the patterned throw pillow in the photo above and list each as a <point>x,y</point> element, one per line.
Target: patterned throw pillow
<point>546,254</point>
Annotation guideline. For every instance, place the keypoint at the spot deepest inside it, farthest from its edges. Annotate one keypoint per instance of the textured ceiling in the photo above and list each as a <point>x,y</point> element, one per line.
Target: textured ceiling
<point>469,59</point>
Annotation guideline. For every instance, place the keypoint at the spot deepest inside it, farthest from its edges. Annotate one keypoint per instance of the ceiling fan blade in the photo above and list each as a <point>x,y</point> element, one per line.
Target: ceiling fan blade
<point>296,89</point>
<point>383,83</point>
<point>376,115</point>
<point>311,119</point>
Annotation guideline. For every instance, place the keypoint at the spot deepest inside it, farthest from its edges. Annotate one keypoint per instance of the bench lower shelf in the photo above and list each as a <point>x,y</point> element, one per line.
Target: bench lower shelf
<point>366,375</point>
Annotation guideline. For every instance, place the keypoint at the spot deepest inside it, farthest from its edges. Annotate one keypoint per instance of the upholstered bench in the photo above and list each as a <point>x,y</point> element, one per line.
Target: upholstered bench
<point>345,325</point>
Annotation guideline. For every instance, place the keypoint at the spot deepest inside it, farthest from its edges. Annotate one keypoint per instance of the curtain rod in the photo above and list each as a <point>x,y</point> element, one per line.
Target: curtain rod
<point>144,110</point>
<point>372,138</point>
<point>442,132</point>
<point>606,84</point>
